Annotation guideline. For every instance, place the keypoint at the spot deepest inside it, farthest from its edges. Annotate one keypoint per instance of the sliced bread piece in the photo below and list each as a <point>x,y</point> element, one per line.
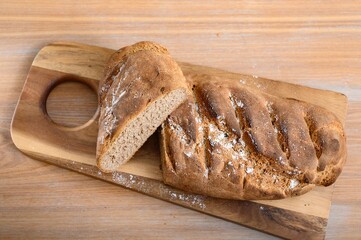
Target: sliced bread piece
<point>141,87</point>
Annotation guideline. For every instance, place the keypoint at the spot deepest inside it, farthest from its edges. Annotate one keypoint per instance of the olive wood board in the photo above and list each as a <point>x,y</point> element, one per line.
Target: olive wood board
<point>36,135</point>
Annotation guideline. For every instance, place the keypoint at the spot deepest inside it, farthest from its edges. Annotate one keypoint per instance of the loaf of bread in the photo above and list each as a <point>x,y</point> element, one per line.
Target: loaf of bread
<point>231,141</point>
<point>141,87</point>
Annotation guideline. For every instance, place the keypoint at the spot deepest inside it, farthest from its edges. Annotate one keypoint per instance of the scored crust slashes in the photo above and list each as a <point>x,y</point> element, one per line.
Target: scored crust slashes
<point>231,141</point>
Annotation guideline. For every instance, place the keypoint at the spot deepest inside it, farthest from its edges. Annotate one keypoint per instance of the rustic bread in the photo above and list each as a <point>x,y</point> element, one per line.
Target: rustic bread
<point>231,141</point>
<point>141,87</point>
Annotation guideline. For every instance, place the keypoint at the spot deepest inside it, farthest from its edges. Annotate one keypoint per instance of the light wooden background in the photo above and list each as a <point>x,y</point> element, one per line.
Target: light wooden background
<point>314,43</point>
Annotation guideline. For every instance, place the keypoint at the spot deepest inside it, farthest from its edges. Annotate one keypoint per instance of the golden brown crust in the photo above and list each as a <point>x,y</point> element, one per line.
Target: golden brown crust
<point>135,77</point>
<point>231,141</point>
<point>118,58</point>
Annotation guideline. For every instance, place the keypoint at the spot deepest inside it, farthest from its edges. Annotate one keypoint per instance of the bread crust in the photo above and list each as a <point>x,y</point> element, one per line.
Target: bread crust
<point>136,76</point>
<point>231,141</point>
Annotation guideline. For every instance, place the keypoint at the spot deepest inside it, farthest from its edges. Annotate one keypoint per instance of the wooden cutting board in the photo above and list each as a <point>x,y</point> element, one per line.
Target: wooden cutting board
<point>35,134</point>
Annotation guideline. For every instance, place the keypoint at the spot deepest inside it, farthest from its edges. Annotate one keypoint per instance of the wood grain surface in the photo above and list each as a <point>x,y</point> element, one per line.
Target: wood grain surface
<point>36,134</point>
<point>314,43</point>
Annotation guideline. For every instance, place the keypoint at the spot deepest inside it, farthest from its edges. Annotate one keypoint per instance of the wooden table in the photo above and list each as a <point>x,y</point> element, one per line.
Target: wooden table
<point>317,44</point>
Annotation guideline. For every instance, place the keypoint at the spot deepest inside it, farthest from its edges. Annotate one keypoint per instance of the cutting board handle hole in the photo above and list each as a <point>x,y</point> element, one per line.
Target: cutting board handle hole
<point>72,103</point>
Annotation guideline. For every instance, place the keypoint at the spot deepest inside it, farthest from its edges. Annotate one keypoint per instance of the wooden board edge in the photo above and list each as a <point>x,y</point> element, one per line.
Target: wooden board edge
<point>261,217</point>
<point>104,53</point>
<point>181,63</point>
